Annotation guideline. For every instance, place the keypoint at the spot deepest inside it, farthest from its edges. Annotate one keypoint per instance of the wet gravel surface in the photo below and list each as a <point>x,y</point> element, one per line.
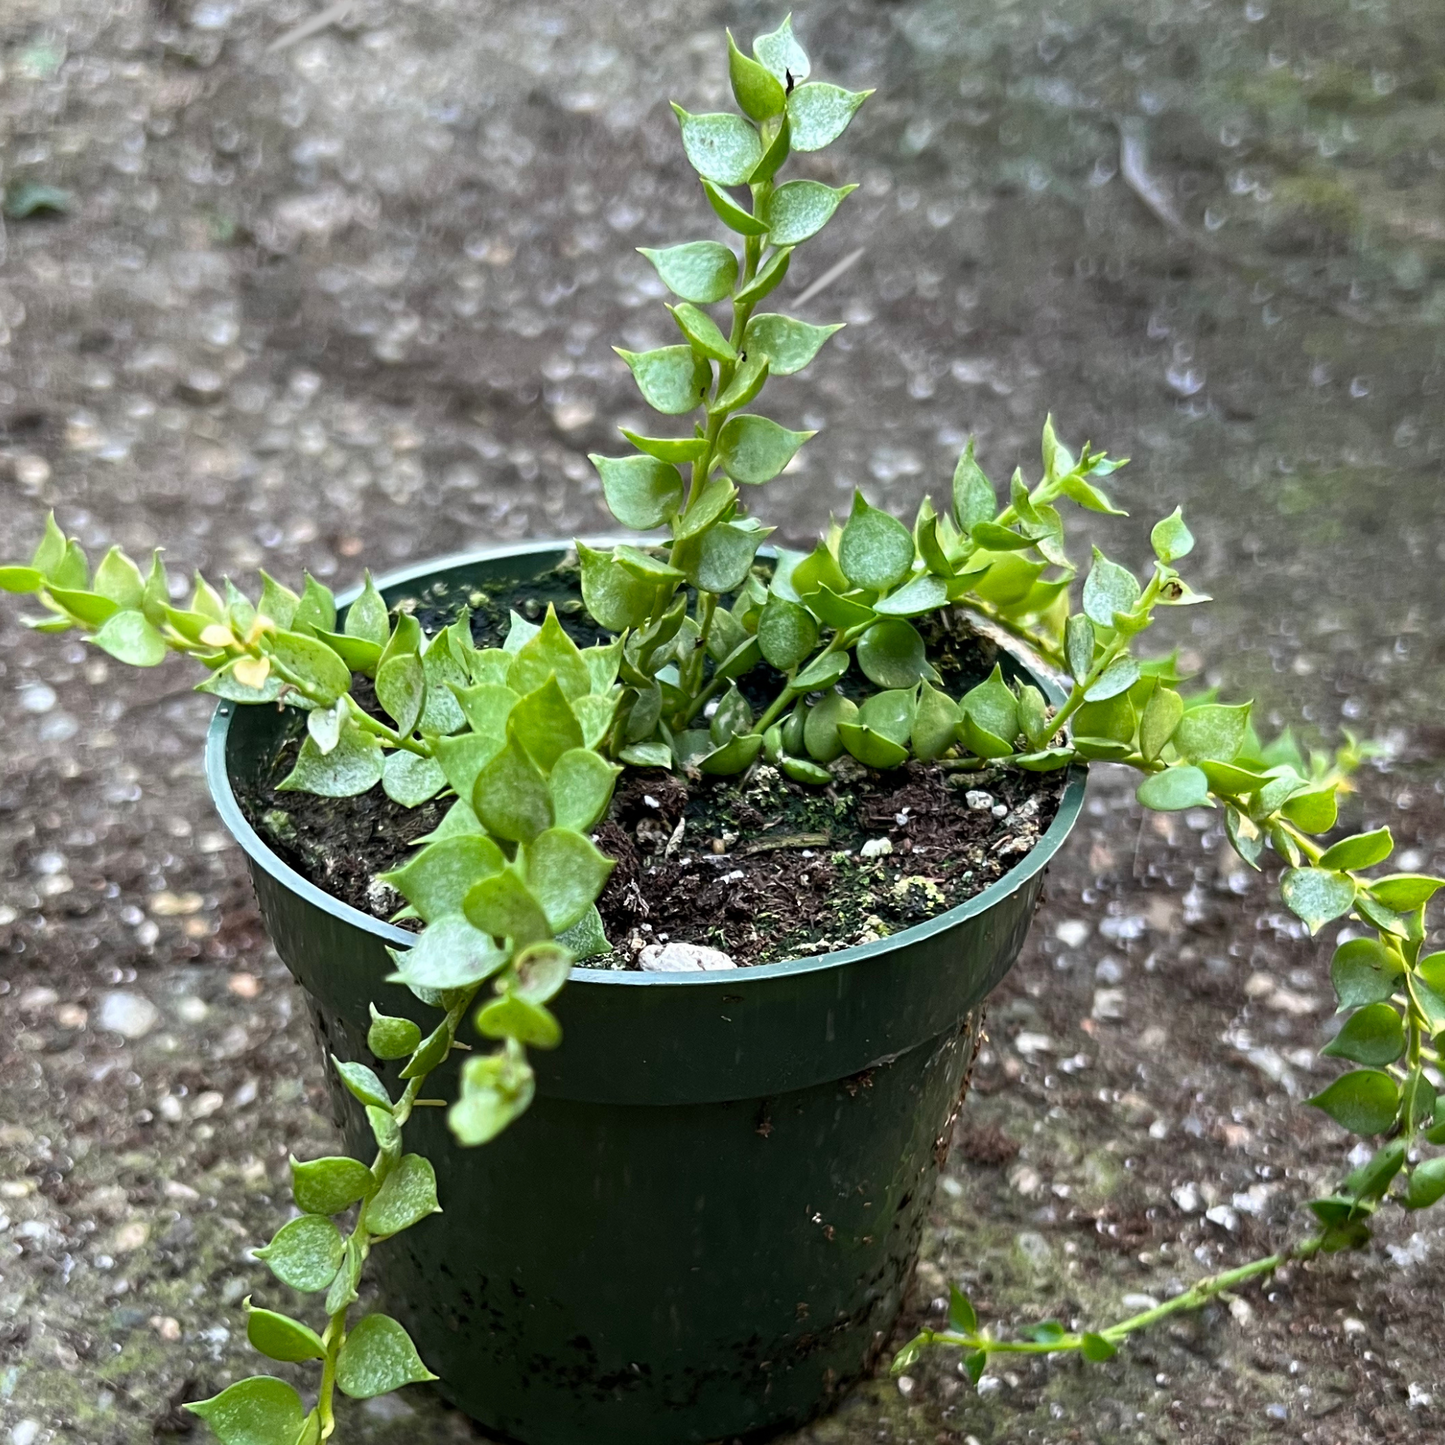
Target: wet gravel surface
<point>352,300</point>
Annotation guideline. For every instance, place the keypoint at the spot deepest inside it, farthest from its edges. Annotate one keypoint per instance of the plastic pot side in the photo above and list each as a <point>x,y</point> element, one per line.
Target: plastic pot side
<point>705,1224</point>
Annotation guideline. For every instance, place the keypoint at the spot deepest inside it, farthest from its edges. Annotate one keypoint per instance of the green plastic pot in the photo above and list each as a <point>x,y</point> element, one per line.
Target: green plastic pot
<point>704,1226</point>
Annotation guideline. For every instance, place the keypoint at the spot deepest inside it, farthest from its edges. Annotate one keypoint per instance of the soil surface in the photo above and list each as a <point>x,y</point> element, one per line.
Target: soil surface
<point>350,302</point>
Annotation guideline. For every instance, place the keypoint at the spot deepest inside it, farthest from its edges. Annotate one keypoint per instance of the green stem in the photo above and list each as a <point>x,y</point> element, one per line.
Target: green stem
<point>377,728</point>
<point>840,641</point>
<point>1193,1298</point>
<point>335,1335</point>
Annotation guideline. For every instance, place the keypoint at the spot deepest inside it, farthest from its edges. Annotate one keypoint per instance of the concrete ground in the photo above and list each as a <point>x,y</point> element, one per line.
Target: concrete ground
<point>351,301</point>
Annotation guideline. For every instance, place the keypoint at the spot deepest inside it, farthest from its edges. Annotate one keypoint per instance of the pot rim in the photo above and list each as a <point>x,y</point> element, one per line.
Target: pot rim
<point>256,849</point>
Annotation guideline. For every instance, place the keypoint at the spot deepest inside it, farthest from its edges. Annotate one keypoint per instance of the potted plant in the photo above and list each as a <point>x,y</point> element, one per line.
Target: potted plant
<point>776,819</point>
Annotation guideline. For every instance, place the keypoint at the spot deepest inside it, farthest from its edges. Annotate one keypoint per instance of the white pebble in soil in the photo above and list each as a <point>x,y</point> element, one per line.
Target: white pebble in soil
<point>127,1014</point>
<point>682,958</point>
<point>979,801</point>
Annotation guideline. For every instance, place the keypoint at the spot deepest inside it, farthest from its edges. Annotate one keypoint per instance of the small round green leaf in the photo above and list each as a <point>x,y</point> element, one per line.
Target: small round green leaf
<point>1364,971</point>
<point>1364,1101</point>
<point>891,653</point>
<point>377,1357</point>
<point>129,638</point>
<point>1373,1035</point>
<point>1212,732</point>
<point>1427,1184</point>
<point>407,1194</point>
<point>876,550</point>
<point>581,785</point>
<point>819,113</point>
<point>390,1037</point>
<point>352,767</point>
<point>1317,895</point>
<point>566,873</point>
<point>329,1185</point>
<point>720,147</point>
<point>510,795</point>
<point>1109,588</point>
<point>820,726</point>
<point>672,379</point>
<point>790,345</point>
<point>798,210</point>
<point>1176,788</point>
<point>699,271</point>
<point>260,1411</point>
<point>1364,850</point>
<point>1171,539</point>
<point>780,52</point>
<point>786,633</point>
<point>514,1017</point>
<point>279,1337</point>
<point>754,449</point>
<point>305,1253</point>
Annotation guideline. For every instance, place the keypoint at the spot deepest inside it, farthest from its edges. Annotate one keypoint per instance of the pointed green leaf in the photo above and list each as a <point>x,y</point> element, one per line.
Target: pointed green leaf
<point>367,617</point>
<point>329,1185</point>
<point>780,52</point>
<point>566,873</point>
<point>407,1194</point>
<point>819,113</point>
<point>450,953</point>
<point>1079,646</point>
<point>790,345</point>
<point>1212,732</point>
<point>541,970</point>
<point>721,147</point>
<point>719,559</point>
<point>503,906</point>
<point>1171,539</point>
<point>746,383</point>
<point>119,579</point>
<point>401,691</point>
<point>259,1411</point>
<point>754,449</point>
<point>615,598</point>
<point>1174,789</point>
<point>1403,892</point>
<point>1317,895</point>
<point>350,768</point>
<point>1313,810</point>
<point>961,1314</point>
<point>129,638</point>
<point>798,210</point>
<point>547,723</point>
<point>1364,1101</point>
<point>786,633</point>
<point>390,1037</point>
<point>1364,850</point>
<point>993,706</point>
<point>49,554</point>
<point>311,664</point>
<point>876,549</point>
<point>699,271</point>
<point>1097,1349</point>
<point>1109,588</point>
<point>732,215</point>
<point>510,795</point>
<point>1116,678</point>
<point>411,780</point>
<point>664,449</point>
<point>581,785</point>
<point>758,91</point>
<point>768,278</point>
<point>672,379</point>
<point>378,1357</point>
<point>702,332</point>
<point>871,748</point>
<point>304,1253</point>
<point>279,1337</point>
<point>1374,1035</point>
<point>1162,714</point>
<point>973,495</point>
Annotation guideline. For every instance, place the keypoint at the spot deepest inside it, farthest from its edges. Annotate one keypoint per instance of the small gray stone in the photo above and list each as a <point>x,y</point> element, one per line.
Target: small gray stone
<point>978,800</point>
<point>127,1014</point>
<point>682,958</point>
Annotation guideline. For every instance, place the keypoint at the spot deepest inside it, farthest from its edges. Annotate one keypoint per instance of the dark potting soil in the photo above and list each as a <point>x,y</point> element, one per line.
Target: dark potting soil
<point>760,867</point>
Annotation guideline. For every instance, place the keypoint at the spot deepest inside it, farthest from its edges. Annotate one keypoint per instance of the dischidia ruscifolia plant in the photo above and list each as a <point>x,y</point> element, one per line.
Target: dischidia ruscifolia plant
<point>529,738</point>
